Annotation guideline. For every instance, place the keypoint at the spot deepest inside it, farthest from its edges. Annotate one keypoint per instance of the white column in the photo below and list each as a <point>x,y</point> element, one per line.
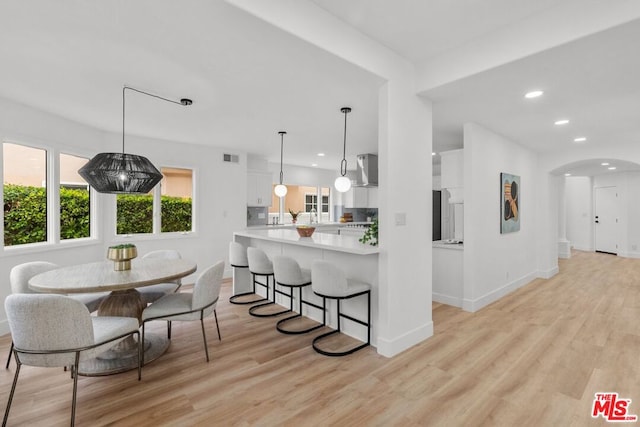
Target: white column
<point>404,156</point>
<point>564,246</point>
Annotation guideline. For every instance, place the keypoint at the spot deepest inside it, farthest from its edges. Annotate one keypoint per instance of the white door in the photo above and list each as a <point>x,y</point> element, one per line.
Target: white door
<point>606,219</point>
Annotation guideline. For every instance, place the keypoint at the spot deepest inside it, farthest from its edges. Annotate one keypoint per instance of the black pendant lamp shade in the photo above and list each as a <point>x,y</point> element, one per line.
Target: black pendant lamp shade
<point>122,173</point>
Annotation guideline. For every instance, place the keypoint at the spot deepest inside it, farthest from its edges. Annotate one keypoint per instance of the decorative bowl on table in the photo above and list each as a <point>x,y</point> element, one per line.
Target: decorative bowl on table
<point>121,255</point>
<point>305,230</point>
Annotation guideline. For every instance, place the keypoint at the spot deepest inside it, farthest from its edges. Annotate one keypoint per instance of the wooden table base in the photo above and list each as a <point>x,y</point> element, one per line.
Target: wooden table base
<point>124,359</point>
<point>124,356</point>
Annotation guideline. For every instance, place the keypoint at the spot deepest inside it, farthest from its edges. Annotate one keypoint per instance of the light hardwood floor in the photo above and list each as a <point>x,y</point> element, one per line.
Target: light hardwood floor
<point>536,358</point>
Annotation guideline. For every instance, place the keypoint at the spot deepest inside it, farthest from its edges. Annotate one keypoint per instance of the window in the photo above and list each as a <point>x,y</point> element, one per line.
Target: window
<point>75,201</point>
<point>25,194</point>
<point>311,202</point>
<point>176,200</point>
<point>136,213</point>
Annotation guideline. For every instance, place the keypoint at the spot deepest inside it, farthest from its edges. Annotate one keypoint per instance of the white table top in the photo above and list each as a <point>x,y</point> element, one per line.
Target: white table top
<point>333,242</point>
<point>101,277</point>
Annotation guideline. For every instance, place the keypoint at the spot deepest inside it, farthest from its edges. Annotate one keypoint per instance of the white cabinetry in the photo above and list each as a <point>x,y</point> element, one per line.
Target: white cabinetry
<point>356,197</point>
<point>259,189</point>
<point>372,197</point>
<point>361,197</point>
<point>452,170</point>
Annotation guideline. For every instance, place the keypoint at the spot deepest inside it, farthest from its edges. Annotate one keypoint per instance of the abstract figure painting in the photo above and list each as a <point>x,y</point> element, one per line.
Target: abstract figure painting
<point>510,203</point>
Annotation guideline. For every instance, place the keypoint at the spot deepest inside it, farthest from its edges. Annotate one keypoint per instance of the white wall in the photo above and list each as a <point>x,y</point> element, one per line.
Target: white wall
<point>494,263</point>
<point>220,198</point>
<point>579,210</point>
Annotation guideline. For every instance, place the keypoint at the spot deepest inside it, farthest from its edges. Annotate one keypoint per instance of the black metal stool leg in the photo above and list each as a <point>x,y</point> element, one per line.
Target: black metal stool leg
<point>234,298</point>
<point>253,310</point>
<point>321,337</point>
<point>281,323</point>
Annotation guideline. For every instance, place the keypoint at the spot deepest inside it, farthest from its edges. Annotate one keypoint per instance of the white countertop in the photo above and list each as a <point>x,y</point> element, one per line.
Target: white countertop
<point>444,244</point>
<point>317,225</point>
<point>349,244</point>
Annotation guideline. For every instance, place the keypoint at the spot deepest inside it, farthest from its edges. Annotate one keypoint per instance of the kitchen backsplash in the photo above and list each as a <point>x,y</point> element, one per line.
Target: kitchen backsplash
<point>361,214</point>
<point>257,215</point>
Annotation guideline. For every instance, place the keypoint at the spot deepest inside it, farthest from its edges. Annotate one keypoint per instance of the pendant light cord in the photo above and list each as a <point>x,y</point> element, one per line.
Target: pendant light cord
<point>343,164</point>
<point>281,145</point>
<point>183,101</point>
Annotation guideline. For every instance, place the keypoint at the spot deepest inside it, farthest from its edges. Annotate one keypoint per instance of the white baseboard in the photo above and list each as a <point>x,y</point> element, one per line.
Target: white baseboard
<point>548,274</point>
<point>446,299</point>
<point>390,348</point>
<point>629,254</point>
<point>483,301</point>
<point>583,248</point>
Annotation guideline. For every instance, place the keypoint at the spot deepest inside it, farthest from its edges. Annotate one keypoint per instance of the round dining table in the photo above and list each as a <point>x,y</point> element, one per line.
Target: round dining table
<point>123,300</point>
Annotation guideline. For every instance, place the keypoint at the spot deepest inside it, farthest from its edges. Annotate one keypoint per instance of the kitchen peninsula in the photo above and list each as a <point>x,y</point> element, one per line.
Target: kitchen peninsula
<point>357,260</point>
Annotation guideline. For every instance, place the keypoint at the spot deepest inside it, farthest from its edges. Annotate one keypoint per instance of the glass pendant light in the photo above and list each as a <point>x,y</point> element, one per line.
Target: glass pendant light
<point>343,183</point>
<point>281,190</point>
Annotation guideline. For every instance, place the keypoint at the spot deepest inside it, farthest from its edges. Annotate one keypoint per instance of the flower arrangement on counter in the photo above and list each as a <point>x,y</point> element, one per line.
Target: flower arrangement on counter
<point>294,215</point>
<point>371,235</point>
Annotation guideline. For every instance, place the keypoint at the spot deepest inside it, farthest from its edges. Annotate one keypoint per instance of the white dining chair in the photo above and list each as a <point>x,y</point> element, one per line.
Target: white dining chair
<point>189,306</point>
<point>58,331</point>
<point>152,293</point>
<point>19,279</point>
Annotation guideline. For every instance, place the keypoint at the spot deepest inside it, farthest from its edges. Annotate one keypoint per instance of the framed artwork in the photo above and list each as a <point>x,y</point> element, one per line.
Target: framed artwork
<point>509,203</point>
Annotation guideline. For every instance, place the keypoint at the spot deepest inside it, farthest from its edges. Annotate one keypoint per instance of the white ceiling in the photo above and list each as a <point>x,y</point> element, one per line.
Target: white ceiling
<point>422,29</point>
<point>249,79</point>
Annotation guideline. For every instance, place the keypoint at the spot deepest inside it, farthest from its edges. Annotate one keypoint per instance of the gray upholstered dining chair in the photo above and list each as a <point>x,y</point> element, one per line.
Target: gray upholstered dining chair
<point>152,293</point>
<point>58,331</point>
<point>186,306</point>
<point>19,279</point>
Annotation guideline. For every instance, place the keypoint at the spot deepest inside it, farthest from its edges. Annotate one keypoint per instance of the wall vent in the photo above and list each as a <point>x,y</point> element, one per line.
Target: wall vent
<point>231,158</point>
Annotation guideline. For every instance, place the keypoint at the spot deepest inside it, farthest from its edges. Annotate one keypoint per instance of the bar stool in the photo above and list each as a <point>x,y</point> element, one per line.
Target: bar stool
<point>328,281</point>
<point>238,259</point>
<point>289,274</point>
<point>261,266</point>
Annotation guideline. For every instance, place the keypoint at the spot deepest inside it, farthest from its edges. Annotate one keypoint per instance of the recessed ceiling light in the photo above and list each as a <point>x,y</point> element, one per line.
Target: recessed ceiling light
<point>567,174</point>
<point>320,154</point>
<point>605,164</point>
<point>612,168</point>
<point>533,94</point>
<point>433,153</point>
<point>314,164</point>
<point>580,139</point>
<point>561,122</point>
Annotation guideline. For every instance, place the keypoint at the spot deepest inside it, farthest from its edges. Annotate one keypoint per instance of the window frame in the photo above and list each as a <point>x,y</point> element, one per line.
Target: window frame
<point>52,176</point>
<point>157,213</point>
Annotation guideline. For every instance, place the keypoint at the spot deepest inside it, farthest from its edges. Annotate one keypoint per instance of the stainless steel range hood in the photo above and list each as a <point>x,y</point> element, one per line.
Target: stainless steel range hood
<point>367,175</point>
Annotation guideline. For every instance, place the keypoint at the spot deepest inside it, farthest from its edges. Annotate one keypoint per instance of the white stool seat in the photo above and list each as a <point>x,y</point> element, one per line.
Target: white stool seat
<point>259,263</point>
<point>238,258</point>
<point>261,266</point>
<point>329,282</point>
<point>289,274</point>
<point>238,255</point>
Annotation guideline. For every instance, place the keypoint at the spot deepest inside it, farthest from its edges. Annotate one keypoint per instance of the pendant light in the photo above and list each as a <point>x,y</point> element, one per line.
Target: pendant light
<point>343,183</point>
<point>123,173</point>
<point>281,190</point>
